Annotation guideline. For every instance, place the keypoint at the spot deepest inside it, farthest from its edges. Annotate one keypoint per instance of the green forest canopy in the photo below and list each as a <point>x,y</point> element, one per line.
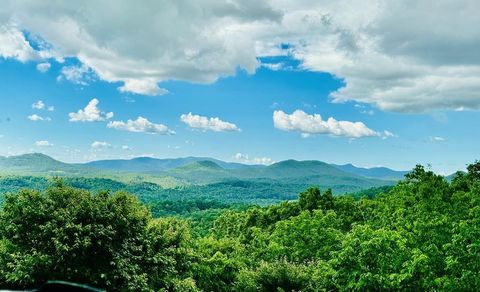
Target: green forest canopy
<point>422,234</point>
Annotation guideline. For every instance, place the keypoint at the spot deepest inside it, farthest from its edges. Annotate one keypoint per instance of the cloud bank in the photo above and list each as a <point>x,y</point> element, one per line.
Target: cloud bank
<point>399,56</point>
<point>306,124</point>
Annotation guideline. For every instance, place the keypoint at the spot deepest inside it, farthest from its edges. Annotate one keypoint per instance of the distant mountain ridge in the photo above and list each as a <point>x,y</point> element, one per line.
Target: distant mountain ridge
<point>149,164</point>
<point>203,170</point>
<point>374,172</point>
<point>283,177</point>
<point>37,162</point>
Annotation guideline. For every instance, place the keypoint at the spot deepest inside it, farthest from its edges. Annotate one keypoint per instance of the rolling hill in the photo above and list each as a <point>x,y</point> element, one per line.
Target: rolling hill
<point>195,176</point>
<point>294,169</point>
<point>148,164</point>
<point>293,172</point>
<point>37,163</point>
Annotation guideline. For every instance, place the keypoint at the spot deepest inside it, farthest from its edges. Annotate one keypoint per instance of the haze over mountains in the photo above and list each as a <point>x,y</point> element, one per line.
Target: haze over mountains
<point>147,164</point>
<point>37,162</point>
<point>194,176</point>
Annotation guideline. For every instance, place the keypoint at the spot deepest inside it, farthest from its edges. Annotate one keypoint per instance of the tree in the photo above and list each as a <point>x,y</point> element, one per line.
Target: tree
<point>276,276</point>
<point>102,240</point>
<point>218,263</point>
<point>309,199</point>
<point>474,171</point>
<point>307,237</point>
<point>372,259</point>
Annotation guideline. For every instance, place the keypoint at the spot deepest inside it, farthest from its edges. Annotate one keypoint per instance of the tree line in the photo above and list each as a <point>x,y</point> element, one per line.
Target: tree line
<point>421,234</point>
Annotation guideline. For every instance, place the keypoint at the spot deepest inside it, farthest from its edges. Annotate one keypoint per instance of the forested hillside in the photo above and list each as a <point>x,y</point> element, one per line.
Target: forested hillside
<point>261,192</point>
<point>422,234</point>
<point>290,175</point>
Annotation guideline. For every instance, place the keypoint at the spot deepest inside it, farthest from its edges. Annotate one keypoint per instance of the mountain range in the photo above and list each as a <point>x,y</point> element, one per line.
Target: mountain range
<point>41,163</point>
<point>147,164</point>
<point>216,176</point>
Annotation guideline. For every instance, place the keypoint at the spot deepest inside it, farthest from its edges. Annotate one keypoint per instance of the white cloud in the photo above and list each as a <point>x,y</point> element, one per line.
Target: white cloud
<point>396,55</point>
<point>263,160</point>
<point>437,139</point>
<point>241,156</point>
<point>14,45</point>
<point>100,145</point>
<point>91,113</point>
<point>76,74</point>
<point>126,148</point>
<point>140,125</point>
<point>43,67</point>
<point>273,66</point>
<point>37,118</point>
<point>40,105</point>
<point>387,134</point>
<point>314,124</point>
<point>205,123</point>
<point>147,86</point>
<point>244,158</point>
<point>208,40</point>
<point>43,143</point>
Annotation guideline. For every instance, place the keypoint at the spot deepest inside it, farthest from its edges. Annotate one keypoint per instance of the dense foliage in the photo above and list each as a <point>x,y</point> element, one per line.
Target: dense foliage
<point>422,234</point>
<point>233,191</point>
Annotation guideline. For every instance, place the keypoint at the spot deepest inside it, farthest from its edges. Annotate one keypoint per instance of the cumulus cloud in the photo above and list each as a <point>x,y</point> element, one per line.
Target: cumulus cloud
<point>126,148</point>
<point>91,113</point>
<point>207,124</point>
<point>43,143</point>
<point>395,55</point>
<point>37,118</point>
<point>306,124</point>
<point>14,45</point>
<point>76,74</point>
<point>208,40</point>
<point>147,86</point>
<point>244,158</point>
<point>43,67</point>
<point>140,125</point>
<point>40,105</point>
<point>100,145</point>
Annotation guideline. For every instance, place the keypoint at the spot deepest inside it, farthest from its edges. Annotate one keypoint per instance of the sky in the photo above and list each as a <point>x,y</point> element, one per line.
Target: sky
<point>373,83</point>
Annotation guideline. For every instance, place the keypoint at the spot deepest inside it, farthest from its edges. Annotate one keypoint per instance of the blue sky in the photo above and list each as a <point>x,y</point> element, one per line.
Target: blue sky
<point>247,96</point>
